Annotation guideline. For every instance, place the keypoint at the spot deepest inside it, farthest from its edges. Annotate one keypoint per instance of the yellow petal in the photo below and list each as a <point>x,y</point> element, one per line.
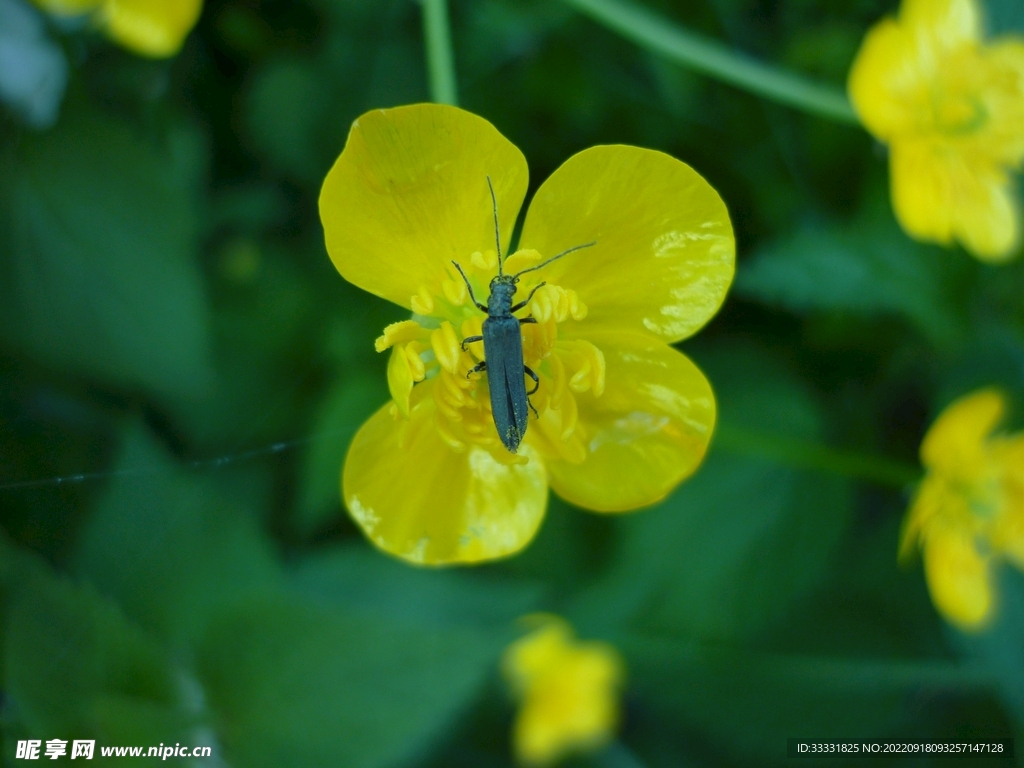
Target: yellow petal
<point>399,333</point>
<point>526,660</point>
<point>958,577</point>
<point>645,434</point>
<point>419,500</point>
<point>885,85</point>
<point>955,441</point>
<point>665,248</point>
<point>940,194</point>
<point>569,692</point>
<point>155,28</point>
<point>941,25</point>
<point>928,503</point>
<point>1003,96</point>
<point>921,192</point>
<point>986,218</point>
<point>1008,537</point>
<point>574,709</point>
<point>400,379</point>
<point>1008,533</point>
<point>408,195</point>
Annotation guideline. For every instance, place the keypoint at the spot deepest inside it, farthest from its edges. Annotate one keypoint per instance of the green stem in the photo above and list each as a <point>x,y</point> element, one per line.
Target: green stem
<point>440,59</point>
<point>806,454</point>
<point>659,35</point>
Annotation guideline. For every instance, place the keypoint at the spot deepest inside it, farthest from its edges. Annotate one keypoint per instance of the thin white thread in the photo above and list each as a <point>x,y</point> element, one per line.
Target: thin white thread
<point>220,461</point>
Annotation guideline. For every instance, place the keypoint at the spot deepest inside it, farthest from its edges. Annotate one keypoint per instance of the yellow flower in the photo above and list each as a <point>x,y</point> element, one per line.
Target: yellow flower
<point>951,107</point>
<point>968,515</point>
<point>623,417</point>
<point>154,28</point>
<point>569,692</point>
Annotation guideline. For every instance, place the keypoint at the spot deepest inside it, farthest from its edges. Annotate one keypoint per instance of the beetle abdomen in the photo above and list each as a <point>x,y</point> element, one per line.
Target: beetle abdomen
<point>503,350</point>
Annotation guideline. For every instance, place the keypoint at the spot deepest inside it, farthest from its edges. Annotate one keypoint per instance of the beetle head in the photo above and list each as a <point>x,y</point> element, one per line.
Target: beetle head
<point>509,280</point>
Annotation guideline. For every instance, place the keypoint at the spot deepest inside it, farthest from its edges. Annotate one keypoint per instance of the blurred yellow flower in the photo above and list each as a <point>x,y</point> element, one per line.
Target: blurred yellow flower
<point>623,417</point>
<point>951,108</point>
<point>568,692</point>
<point>153,28</point>
<point>968,515</point>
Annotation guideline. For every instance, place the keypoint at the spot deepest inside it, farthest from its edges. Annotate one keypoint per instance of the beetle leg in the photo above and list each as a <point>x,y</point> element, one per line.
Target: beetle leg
<point>532,375</point>
<point>525,320</point>
<point>525,301</point>
<point>470,340</point>
<point>532,408</point>
<point>481,307</point>
<point>481,366</point>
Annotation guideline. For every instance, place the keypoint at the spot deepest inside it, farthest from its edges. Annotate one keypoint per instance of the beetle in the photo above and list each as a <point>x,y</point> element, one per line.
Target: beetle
<point>503,344</point>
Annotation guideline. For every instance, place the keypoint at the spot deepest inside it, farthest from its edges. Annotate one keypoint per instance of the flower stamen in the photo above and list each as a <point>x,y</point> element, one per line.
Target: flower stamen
<point>429,346</point>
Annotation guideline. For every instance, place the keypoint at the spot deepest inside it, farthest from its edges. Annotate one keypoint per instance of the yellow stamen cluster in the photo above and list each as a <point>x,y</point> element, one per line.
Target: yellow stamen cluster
<point>430,347</point>
<point>968,514</point>
<point>568,691</point>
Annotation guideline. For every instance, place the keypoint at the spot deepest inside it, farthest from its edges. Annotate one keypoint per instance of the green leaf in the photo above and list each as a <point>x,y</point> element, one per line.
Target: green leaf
<point>306,686</point>
<point>363,580</point>
<point>861,655</point>
<point>283,110</point>
<point>743,538</point>
<point>344,410</point>
<point>169,547</point>
<point>74,665</point>
<point>499,32</point>
<point>1004,16</point>
<point>1000,647</point>
<point>249,208</point>
<point>333,668</point>
<point>869,606</point>
<point>865,267</point>
<point>98,273</point>
<point>749,703</point>
<point>265,332</point>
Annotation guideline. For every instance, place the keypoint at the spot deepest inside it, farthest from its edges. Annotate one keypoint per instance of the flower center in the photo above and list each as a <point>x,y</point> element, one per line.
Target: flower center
<point>430,347</point>
<point>980,497</point>
<point>958,115</point>
<point>970,501</point>
<point>954,97</point>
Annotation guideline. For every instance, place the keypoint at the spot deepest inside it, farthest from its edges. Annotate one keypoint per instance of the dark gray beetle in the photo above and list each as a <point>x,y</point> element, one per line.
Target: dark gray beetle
<point>503,344</point>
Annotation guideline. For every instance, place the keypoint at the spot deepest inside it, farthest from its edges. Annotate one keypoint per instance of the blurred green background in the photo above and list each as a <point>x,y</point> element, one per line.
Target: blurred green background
<point>181,370</point>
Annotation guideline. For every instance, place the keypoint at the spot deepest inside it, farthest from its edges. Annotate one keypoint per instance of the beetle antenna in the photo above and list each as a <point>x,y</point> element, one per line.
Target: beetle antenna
<point>554,258</point>
<point>497,232</point>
